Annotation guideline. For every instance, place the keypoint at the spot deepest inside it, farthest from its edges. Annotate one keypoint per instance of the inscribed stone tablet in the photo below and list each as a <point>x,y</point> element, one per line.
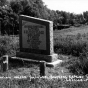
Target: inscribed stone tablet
<point>34,35</point>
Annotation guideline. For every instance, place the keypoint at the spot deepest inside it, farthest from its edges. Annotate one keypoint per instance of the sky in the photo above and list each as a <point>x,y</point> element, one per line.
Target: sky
<point>73,6</point>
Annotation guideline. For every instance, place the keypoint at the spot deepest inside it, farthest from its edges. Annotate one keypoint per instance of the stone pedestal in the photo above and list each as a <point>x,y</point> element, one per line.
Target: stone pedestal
<point>47,58</point>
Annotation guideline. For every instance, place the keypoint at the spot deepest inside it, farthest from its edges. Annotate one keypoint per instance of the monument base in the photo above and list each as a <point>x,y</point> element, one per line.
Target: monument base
<point>47,58</point>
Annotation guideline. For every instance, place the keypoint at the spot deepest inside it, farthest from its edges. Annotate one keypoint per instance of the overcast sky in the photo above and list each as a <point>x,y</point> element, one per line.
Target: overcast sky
<point>74,6</point>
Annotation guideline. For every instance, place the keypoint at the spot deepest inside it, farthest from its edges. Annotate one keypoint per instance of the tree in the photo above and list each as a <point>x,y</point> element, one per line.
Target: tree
<point>85,15</point>
<point>16,7</point>
<point>3,2</point>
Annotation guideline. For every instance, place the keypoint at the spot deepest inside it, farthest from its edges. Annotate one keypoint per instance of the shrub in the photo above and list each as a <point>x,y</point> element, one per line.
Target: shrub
<point>8,45</point>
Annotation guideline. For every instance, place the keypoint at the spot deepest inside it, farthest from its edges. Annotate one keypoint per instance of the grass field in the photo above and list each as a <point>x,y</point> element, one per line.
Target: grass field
<point>71,43</point>
<point>30,70</point>
<point>71,31</point>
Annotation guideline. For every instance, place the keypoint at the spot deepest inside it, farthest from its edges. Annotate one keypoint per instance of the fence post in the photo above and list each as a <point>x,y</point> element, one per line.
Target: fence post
<point>42,68</point>
<point>5,63</point>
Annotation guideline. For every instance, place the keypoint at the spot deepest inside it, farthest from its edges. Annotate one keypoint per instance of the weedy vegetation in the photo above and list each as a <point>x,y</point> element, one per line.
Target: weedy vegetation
<point>8,45</point>
<point>72,42</point>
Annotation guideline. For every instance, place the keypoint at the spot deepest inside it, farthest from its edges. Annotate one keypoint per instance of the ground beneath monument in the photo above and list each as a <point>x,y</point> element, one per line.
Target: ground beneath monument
<point>33,69</point>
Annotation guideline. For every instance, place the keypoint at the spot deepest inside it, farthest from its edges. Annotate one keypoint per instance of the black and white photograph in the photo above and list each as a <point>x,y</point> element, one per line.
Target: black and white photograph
<point>43,44</point>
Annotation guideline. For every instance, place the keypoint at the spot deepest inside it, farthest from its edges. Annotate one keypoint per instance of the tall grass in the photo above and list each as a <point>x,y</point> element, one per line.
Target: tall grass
<point>78,65</point>
<point>8,45</point>
<point>71,44</point>
<point>75,45</point>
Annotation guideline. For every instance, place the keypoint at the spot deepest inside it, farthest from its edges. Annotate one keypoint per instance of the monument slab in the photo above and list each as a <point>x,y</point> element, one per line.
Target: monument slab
<point>36,38</point>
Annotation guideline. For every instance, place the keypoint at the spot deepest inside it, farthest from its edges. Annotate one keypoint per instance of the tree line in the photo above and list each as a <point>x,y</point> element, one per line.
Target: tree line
<point>11,9</point>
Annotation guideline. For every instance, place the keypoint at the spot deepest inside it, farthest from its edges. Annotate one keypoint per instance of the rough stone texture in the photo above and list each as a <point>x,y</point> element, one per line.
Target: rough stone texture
<point>47,58</point>
<point>51,38</point>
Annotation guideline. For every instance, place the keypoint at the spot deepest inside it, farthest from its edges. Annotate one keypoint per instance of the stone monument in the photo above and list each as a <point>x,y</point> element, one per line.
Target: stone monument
<point>36,39</point>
